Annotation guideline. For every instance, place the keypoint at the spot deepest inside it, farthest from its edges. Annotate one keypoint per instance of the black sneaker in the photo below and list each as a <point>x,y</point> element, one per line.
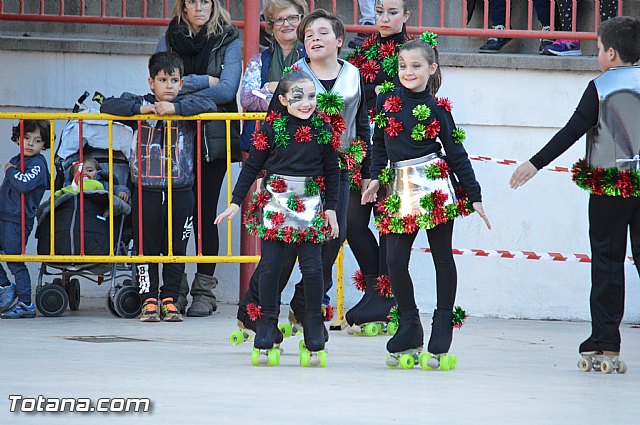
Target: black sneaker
<point>493,44</point>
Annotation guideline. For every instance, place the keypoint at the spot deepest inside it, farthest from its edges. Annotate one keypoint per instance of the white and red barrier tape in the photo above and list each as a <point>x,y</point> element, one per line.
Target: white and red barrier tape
<point>513,162</point>
<point>526,255</point>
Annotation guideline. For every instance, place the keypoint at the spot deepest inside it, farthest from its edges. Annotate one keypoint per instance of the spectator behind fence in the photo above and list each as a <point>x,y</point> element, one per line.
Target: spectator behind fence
<point>93,178</point>
<point>608,114</point>
<point>367,17</point>
<point>565,47</point>
<point>498,13</point>
<point>149,165</point>
<point>202,34</point>
<point>264,70</point>
<point>15,298</point>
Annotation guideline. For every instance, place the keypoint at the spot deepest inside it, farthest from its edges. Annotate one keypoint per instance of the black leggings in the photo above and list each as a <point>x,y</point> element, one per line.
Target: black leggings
<point>399,254</point>
<point>212,178</point>
<point>608,9</point>
<point>363,243</point>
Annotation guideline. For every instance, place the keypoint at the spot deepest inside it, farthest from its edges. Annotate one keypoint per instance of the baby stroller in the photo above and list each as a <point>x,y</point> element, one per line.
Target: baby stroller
<point>52,298</point>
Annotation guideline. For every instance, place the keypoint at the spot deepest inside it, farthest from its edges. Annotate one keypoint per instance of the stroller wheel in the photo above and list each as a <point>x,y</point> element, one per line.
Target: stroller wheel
<point>110,305</point>
<point>73,289</point>
<point>51,300</point>
<point>127,302</point>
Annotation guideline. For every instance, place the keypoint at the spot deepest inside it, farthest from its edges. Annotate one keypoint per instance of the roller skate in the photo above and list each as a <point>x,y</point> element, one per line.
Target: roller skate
<point>372,317</point>
<point>266,345</point>
<point>405,347</point>
<point>599,360</point>
<point>440,341</point>
<point>8,296</point>
<point>312,350</point>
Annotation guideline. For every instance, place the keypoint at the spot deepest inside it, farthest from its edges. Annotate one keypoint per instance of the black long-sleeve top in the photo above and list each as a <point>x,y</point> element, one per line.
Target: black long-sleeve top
<point>583,119</point>
<point>402,147</point>
<point>300,159</point>
<point>382,76</point>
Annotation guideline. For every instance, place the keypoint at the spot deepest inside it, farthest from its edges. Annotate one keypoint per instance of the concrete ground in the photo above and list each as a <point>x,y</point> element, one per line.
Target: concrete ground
<point>509,371</point>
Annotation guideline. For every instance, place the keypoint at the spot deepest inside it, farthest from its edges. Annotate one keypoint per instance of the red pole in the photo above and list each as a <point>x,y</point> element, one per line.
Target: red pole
<point>248,243</point>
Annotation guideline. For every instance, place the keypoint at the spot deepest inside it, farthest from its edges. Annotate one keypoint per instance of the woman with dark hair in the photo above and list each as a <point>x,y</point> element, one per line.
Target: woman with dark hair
<point>201,33</point>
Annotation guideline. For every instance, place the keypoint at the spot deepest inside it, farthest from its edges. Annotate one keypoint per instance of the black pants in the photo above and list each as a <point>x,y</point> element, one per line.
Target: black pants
<point>363,243</point>
<point>498,10</point>
<point>609,219</point>
<point>156,239</point>
<point>309,258</point>
<point>212,178</point>
<point>608,9</point>
<point>399,254</point>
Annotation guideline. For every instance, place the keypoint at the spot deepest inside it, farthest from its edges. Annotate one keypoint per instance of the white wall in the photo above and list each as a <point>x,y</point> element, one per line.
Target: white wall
<point>507,113</point>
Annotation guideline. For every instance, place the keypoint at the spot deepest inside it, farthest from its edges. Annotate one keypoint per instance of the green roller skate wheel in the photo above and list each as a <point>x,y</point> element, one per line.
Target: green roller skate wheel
<point>305,358</point>
<point>274,357</point>
<point>454,361</point>
<point>445,362</point>
<point>392,328</point>
<point>301,345</point>
<point>423,360</point>
<point>371,329</point>
<point>406,361</point>
<point>255,354</point>
<point>381,328</point>
<point>392,362</point>
<point>236,337</point>
<point>322,355</point>
<point>286,329</point>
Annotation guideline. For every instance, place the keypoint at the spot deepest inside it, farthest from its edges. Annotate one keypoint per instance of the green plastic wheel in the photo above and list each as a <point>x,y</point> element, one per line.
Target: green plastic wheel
<point>236,337</point>
<point>286,329</point>
<point>322,355</point>
<point>454,361</point>
<point>445,362</point>
<point>392,328</point>
<point>423,360</point>
<point>305,356</point>
<point>274,357</point>
<point>255,354</point>
<point>301,345</point>
<point>406,361</point>
<point>371,329</point>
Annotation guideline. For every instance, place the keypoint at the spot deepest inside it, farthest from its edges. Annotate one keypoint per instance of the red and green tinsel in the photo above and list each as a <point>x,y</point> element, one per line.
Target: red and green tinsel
<point>330,103</point>
<point>458,317</point>
<point>254,311</point>
<point>394,315</point>
<point>430,38</point>
<point>294,203</point>
<point>383,286</point>
<point>606,181</point>
<point>437,170</point>
<point>277,184</point>
<point>281,135</point>
<point>358,281</point>
<point>386,176</point>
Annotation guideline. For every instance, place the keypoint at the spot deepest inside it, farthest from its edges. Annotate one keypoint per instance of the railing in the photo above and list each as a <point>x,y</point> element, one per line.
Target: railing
<point>111,257</point>
<point>157,13</point>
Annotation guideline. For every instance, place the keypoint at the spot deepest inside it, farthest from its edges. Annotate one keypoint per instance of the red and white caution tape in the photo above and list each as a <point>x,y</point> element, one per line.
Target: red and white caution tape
<point>526,255</point>
<point>513,162</point>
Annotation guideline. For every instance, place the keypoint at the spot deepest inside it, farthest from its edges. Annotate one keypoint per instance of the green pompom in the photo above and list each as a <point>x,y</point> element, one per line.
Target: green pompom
<point>451,211</point>
<point>386,176</point>
<point>280,124</point>
<point>394,315</point>
<point>421,112</point>
<point>269,214</point>
<point>323,137</point>
<point>418,132</point>
<point>282,139</point>
<point>390,65</point>
<point>330,103</point>
<point>458,317</point>
<point>261,230</point>
<point>372,52</point>
<point>317,122</point>
<point>424,221</point>
<point>426,202</point>
<point>392,203</point>
<point>386,86</point>
<point>433,172</point>
<point>458,135</point>
<point>380,119</point>
<point>430,38</point>
<point>317,222</point>
<point>311,187</point>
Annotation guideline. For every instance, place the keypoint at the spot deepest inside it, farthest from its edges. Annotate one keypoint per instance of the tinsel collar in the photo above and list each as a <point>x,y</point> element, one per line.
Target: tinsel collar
<point>377,53</point>
<point>312,129</point>
<point>606,181</point>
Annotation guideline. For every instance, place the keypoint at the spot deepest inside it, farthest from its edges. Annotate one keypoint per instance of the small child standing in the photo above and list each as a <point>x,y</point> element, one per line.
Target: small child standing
<point>151,179</point>
<point>28,176</point>
<point>424,195</point>
<point>608,114</point>
<point>294,147</point>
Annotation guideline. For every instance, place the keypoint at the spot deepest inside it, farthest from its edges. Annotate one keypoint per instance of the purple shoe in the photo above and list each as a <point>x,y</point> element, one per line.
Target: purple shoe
<point>564,48</point>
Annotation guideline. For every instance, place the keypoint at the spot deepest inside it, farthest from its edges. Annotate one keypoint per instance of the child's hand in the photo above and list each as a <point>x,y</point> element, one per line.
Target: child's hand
<point>370,194</point>
<point>229,213</point>
<point>480,210</point>
<point>333,223</point>
<point>148,109</point>
<point>523,174</point>
<point>9,165</point>
<point>165,108</point>
<point>124,196</point>
<point>365,184</point>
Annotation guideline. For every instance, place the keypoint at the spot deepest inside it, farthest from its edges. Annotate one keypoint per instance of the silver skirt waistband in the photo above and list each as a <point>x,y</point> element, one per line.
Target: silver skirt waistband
<point>278,203</point>
<point>411,184</point>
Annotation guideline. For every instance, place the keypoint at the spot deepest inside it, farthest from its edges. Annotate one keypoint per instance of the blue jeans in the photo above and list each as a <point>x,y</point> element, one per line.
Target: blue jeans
<point>11,244</point>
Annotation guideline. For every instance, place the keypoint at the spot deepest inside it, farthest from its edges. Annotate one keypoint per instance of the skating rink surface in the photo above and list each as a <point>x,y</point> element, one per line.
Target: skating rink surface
<point>509,372</point>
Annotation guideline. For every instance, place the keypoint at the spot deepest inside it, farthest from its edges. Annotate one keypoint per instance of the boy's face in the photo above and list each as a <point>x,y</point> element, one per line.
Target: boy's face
<point>166,87</point>
<point>33,143</point>
<point>320,41</point>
